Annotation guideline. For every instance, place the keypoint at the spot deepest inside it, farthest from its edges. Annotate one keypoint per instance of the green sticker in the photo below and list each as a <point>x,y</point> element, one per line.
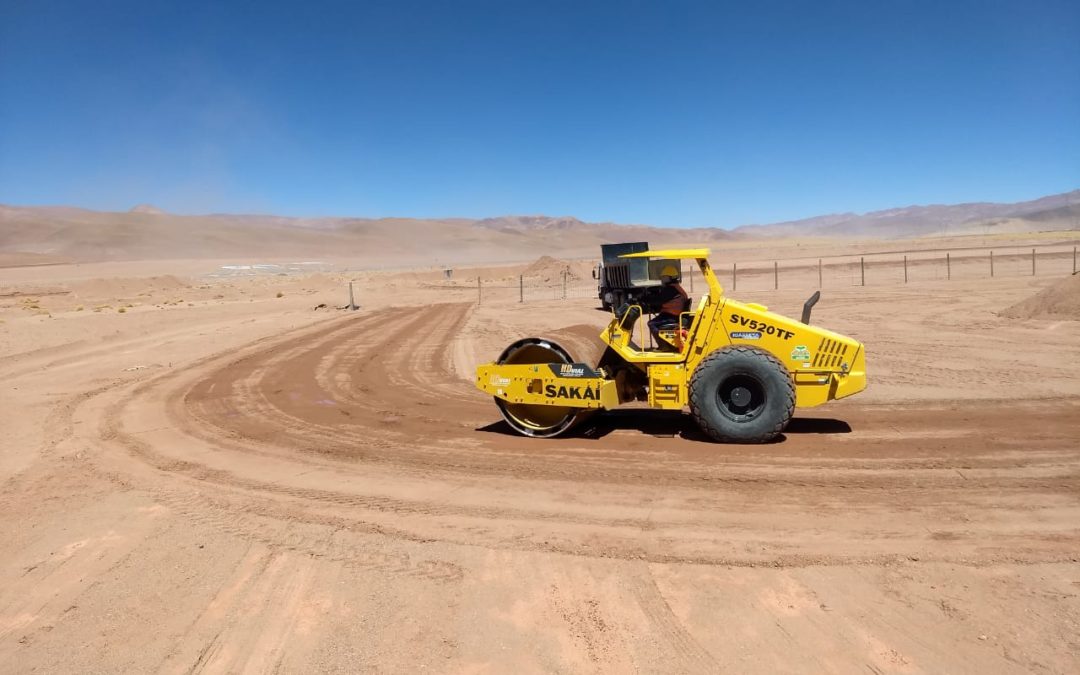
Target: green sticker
<point>800,353</point>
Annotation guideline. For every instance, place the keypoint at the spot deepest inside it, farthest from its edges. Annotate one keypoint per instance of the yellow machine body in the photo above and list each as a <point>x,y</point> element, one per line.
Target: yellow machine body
<point>823,365</point>
<point>536,383</point>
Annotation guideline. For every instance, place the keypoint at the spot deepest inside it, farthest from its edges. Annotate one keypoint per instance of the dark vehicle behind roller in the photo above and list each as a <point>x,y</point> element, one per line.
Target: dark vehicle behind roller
<point>628,280</point>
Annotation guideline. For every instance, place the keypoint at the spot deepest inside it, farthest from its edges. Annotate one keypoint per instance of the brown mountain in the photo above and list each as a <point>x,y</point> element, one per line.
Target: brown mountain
<point>1054,212</point>
<point>147,233</point>
<point>85,235</point>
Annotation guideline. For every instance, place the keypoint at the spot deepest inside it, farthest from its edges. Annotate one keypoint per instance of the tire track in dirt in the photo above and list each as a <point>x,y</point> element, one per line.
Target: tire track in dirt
<point>405,407</point>
<point>373,396</point>
<point>689,655</point>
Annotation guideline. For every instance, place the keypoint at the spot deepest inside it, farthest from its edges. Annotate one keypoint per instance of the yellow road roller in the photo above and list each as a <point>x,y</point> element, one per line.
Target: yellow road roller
<point>741,369</point>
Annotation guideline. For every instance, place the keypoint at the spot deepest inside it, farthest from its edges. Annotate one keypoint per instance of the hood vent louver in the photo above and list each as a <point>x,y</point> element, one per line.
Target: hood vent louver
<point>829,354</point>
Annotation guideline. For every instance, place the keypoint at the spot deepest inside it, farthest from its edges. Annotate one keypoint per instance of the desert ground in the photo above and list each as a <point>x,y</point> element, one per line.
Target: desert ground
<point>205,470</point>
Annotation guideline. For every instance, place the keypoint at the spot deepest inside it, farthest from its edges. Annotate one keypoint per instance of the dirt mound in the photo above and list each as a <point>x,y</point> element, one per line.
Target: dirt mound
<point>549,269</point>
<point>1059,301</point>
<point>582,341</point>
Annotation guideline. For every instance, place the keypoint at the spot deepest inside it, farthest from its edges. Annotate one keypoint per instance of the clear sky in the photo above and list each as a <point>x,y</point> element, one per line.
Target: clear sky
<point>667,113</point>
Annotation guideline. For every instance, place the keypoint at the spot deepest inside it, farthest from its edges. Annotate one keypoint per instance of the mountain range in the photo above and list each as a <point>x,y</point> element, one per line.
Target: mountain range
<point>148,233</point>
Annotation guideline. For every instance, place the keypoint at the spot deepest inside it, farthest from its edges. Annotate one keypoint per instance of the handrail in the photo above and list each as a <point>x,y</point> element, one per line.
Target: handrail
<point>621,322</point>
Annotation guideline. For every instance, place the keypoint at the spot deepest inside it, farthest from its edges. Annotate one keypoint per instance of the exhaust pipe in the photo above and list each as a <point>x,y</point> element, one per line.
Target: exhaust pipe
<point>808,306</point>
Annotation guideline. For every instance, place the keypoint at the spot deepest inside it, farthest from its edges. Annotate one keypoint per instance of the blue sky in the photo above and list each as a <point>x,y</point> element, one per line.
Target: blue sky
<point>667,113</point>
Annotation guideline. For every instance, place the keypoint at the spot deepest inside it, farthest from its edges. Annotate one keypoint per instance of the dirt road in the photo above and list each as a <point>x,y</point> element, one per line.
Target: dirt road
<point>329,493</point>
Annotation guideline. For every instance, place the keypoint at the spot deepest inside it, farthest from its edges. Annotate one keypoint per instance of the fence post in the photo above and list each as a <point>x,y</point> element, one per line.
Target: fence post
<point>352,302</point>
<point>564,285</point>
<point>521,288</point>
<point>905,269</point>
<point>862,271</point>
<point>1032,262</point>
<point>948,267</point>
<point>478,291</point>
<point>775,275</point>
<point>691,275</point>
<point>991,263</point>
<point>734,275</point>
<point>1074,260</point>
<point>819,272</point>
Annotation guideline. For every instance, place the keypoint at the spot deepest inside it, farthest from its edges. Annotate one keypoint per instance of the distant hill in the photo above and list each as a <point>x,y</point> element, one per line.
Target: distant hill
<point>1055,212</point>
<point>147,233</point>
<point>85,235</point>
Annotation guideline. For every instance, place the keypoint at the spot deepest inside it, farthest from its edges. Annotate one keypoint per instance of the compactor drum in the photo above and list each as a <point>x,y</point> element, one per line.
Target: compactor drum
<point>741,369</point>
<point>537,419</point>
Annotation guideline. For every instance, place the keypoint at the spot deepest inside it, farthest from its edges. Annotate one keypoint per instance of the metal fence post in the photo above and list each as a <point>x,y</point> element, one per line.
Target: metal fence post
<point>1032,262</point>
<point>775,275</point>
<point>352,302</point>
<point>991,263</point>
<point>521,288</point>
<point>905,269</point>
<point>564,285</point>
<point>691,275</point>
<point>862,271</point>
<point>734,275</point>
<point>948,267</point>
<point>819,272</point>
<point>478,291</point>
<point>1074,260</point>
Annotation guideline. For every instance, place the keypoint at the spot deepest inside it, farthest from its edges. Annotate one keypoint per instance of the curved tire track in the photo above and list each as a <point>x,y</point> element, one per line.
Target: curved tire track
<point>362,424</point>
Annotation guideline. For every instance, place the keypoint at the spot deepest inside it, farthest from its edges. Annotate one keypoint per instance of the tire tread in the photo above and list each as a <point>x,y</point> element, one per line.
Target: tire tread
<point>696,392</point>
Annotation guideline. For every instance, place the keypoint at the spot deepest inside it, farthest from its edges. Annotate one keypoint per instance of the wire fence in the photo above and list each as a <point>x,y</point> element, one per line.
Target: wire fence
<point>847,271</point>
<point>886,269</point>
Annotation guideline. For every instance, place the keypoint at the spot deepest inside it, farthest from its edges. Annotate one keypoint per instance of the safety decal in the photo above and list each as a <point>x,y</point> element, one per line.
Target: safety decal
<point>800,353</point>
<point>572,370</point>
<point>745,335</point>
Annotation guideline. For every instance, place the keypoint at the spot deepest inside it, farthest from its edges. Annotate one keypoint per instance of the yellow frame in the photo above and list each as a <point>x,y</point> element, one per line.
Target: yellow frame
<point>823,365</point>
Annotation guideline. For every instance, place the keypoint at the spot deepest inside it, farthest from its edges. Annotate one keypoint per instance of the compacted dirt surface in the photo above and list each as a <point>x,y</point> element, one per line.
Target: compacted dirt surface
<point>247,485</point>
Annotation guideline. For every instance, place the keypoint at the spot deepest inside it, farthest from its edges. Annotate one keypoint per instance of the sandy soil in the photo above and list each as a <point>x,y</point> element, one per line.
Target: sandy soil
<point>222,478</point>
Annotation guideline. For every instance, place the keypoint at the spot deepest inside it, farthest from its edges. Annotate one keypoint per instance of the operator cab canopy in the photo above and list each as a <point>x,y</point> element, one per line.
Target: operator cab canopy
<point>674,253</point>
<point>674,256</point>
<point>701,255</point>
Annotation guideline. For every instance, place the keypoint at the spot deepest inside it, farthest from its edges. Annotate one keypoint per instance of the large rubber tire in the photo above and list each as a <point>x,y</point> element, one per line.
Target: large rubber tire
<point>742,394</point>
